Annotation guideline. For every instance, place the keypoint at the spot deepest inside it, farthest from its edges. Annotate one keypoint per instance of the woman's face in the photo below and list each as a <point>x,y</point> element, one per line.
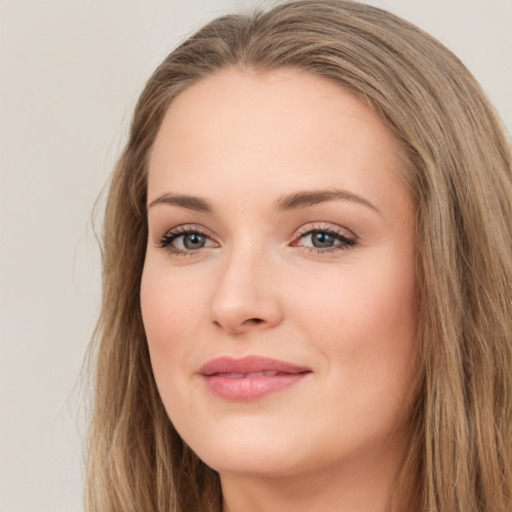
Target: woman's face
<point>279,291</point>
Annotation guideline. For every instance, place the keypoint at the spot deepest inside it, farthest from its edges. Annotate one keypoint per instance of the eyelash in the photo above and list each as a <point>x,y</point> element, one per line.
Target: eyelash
<point>344,242</point>
<point>172,235</point>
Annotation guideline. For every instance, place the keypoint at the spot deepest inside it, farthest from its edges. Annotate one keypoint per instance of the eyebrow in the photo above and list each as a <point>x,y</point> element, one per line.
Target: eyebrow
<point>189,202</point>
<point>287,202</point>
<point>313,197</point>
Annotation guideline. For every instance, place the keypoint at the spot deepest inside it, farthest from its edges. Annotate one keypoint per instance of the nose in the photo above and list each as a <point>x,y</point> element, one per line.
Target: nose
<point>246,297</point>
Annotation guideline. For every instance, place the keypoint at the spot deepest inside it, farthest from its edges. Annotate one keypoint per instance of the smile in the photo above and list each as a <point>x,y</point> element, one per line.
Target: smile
<point>249,378</point>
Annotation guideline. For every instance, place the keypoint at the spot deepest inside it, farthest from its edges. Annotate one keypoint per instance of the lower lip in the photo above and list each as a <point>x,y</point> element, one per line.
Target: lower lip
<point>245,389</point>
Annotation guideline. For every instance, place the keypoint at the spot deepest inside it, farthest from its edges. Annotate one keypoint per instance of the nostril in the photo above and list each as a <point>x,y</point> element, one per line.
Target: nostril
<point>255,320</point>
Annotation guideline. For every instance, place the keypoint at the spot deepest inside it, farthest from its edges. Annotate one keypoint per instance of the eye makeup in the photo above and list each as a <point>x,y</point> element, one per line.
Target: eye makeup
<point>321,238</point>
<point>318,238</point>
<point>186,240</point>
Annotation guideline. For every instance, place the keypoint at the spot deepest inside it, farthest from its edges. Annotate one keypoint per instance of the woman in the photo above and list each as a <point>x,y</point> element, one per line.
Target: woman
<point>307,277</point>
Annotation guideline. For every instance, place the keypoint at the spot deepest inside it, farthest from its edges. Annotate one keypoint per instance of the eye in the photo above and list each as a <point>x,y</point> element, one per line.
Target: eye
<point>323,240</point>
<point>190,241</point>
<point>186,240</point>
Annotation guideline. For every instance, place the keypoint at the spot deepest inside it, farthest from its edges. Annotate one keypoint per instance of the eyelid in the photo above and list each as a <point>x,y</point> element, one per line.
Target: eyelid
<point>184,229</point>
<point>345,237</point>
<point>325,226</point>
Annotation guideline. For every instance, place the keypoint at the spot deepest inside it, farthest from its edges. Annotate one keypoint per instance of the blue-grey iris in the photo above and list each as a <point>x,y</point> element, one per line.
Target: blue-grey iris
<point>321,239</point>
<point>194,241</point>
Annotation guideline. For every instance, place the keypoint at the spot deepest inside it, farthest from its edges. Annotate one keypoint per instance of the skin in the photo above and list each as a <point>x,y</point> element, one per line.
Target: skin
<point>242,141</point>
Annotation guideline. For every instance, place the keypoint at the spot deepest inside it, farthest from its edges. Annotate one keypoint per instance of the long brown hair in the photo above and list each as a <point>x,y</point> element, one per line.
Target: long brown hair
<point>460,174</point>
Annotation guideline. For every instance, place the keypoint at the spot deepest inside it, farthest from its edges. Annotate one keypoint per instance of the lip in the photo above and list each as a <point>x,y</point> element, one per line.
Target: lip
<point>251,377</point>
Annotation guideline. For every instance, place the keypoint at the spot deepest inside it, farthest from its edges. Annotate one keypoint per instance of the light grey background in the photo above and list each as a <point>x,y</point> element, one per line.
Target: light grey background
<point>70,71</point>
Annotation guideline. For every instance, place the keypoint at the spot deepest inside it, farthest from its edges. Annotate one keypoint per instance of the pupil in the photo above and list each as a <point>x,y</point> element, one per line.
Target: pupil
<point>193,241</point>
<point>321,240</point>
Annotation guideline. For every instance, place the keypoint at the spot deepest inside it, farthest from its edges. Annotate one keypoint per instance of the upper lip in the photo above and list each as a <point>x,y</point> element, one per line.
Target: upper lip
<point>249,364</point>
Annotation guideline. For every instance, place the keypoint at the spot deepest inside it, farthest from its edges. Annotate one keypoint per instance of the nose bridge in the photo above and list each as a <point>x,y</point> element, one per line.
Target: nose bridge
<point>245,297</point>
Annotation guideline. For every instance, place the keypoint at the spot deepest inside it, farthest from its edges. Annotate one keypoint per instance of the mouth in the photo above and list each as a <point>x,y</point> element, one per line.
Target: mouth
<point>250,378</point>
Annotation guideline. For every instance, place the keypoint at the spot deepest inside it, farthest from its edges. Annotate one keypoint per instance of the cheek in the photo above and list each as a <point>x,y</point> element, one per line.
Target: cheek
<point>171,312</point>
<point>365,325</point>
<point>374,301</point>
<point>170,309</point>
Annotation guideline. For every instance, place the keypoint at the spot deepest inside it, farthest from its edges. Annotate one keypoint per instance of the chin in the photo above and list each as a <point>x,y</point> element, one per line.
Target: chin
<point>251,461</point>
<point>249,450</point>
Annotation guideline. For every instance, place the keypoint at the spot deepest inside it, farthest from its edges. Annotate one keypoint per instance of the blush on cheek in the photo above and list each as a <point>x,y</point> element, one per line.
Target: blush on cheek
<point>169,308</point>
<point>171,314</point>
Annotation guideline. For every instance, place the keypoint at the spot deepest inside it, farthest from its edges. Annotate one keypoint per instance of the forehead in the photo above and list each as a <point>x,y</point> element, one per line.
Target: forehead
<point>241,129</point>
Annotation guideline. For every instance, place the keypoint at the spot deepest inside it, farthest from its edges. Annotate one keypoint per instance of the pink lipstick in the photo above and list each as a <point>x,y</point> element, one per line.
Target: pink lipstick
<point>250,378</point>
